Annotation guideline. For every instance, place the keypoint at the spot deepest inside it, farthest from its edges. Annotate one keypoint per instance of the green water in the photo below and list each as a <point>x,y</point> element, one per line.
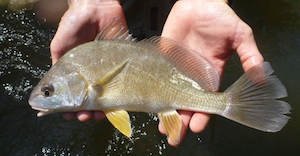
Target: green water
<point>25,57</point>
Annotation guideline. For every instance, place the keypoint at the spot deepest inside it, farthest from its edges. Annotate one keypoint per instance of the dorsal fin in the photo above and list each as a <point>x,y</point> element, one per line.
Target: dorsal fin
<point>114,30</point>
<point>188,61</point>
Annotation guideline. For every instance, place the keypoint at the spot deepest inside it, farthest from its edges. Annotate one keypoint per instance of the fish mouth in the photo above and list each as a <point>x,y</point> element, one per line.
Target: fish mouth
<point>43,111</point>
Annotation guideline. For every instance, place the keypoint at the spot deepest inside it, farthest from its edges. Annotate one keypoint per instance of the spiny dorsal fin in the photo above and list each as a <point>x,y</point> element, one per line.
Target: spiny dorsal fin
<point>188,61</point>
<point>114,30</point>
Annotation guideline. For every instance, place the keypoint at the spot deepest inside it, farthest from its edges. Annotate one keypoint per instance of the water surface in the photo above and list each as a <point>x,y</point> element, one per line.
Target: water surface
<point>25,58</point>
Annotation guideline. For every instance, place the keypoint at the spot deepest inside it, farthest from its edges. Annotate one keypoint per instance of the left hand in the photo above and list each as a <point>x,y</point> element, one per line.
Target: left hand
<point>213,29</point>
<point>81,23</point>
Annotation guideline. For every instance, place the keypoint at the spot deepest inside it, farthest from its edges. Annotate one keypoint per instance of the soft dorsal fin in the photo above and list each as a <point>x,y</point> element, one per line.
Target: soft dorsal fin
<point>188,61</point>
<point>114,30</point>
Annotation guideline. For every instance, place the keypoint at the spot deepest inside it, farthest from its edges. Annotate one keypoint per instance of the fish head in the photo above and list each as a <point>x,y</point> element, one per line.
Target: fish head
<point>56,92</point>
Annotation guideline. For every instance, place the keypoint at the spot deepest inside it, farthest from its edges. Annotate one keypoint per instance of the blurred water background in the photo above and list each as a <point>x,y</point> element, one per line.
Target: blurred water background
<point>25,36</point>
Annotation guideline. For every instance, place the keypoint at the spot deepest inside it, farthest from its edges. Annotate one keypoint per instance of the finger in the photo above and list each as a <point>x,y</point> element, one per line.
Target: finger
<point>80,25</point>
<point>245,45</point>
<point>198,122</point>
<point>185,118</point>
<point>84,116</point>
<point>69,115</point>
<point>161,129</point>
<point>98,115</point>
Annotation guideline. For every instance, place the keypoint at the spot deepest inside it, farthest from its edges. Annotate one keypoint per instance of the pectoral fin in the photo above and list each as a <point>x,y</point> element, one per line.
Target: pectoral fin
<point>172,124</point>
<point>120,120</point>
<point>102,83</point>
<point>110,74</point>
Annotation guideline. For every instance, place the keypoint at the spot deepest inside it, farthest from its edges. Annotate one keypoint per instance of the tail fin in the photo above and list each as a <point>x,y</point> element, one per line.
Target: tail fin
<point>253,100</point>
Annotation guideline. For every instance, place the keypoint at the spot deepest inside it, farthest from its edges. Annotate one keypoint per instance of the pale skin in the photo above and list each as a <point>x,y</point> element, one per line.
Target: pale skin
<point>210,27</point>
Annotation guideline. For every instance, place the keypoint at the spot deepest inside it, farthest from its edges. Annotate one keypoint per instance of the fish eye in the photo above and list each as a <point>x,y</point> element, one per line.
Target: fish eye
<point>47,90</point>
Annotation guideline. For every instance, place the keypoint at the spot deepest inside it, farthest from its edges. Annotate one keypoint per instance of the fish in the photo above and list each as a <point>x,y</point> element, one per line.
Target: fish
<point>116,74</point>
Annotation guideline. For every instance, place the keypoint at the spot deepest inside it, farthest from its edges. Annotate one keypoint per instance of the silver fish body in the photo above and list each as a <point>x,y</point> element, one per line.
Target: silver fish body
<point>119,75</point>
<point>146,83</point>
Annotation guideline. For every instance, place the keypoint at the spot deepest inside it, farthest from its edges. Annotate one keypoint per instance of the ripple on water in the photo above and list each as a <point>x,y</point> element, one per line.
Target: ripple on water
<point>24,52</point>
<point>25,58</point>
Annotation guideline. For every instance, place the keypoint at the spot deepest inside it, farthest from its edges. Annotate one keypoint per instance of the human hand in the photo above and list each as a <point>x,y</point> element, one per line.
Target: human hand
<point>213,29</point>
<point>81,23</point>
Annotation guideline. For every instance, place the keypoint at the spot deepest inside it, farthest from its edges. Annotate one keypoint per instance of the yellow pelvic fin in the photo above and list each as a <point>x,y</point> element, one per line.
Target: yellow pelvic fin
<point>172,124</point>
<point>120,120</point>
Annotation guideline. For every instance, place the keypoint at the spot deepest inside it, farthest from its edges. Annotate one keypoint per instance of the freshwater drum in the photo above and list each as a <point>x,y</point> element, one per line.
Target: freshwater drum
<point>116,74</point>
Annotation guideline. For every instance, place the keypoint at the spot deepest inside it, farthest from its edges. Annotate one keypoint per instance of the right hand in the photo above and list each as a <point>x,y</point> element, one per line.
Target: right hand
<point>214,30</point>
<point>81,23</point>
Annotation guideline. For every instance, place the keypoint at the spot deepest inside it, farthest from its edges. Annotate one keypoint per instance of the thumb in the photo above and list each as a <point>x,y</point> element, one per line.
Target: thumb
<point>245,45</point>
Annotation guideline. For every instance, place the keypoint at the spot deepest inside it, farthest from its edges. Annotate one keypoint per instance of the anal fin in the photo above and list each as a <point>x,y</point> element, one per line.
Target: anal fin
<point>120,120</point>
<point>172,124</point>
